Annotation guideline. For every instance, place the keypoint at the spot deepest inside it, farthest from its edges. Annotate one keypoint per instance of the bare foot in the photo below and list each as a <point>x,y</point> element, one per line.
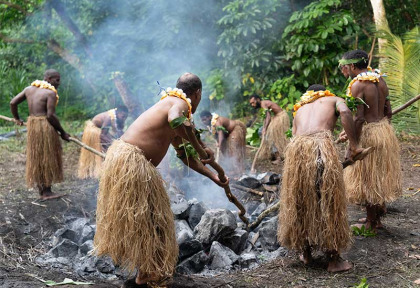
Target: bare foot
<point>306,256</point>
<point>339,265</point>
<point>276,162</point>
<point>362,220</point>
<point>50,195</point>
<point>131,283</point>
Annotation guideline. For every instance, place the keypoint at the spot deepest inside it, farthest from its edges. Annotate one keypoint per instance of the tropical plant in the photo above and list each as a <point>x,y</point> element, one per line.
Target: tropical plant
<point>363,284</point>
<point>402,67</point>
<point>363,231</point>
<point>315,39</point>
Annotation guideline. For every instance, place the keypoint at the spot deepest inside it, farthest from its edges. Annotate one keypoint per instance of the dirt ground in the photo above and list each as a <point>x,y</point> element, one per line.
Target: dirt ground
<point>390,259</point>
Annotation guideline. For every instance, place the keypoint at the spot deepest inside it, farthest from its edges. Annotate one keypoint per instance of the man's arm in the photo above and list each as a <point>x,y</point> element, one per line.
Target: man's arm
<point>388,109</point>
<point>349,128</point>
<point>267,121</point>
<point>14,106</point>
<point>359,119</point>
<point>186,131</point>
<point>193,163</point>
<point>52,118</point>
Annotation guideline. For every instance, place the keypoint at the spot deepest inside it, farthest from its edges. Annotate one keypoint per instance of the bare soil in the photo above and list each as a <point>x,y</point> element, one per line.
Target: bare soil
<point>390,259</point>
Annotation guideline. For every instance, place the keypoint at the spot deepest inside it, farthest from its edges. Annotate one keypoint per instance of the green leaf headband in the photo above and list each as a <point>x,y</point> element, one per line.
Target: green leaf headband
<point>351,61</point>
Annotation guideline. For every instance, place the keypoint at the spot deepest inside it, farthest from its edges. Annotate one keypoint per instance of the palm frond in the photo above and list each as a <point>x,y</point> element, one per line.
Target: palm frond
<point>402,65</point>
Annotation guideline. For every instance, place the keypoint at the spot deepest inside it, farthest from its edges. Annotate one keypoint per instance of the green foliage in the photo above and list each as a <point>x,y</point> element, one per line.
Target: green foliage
<point>216,85</point>
<point>363,284</point>
<point>289,133</point>
<point>252,136</point>
<point>402,67</point>
<point>189,150</point>
<point>315,39</point>
<point>363,231</point>
<point>284,92</point>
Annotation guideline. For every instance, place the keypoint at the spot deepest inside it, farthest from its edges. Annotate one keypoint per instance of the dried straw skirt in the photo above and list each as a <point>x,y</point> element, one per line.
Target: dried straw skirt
<point>89,163</point>
<point>236,142</point>
<point>276,139</point>
<point>44,164</point>
<point>135,223</point>
<point>377,178</point>
<point>313,202</point>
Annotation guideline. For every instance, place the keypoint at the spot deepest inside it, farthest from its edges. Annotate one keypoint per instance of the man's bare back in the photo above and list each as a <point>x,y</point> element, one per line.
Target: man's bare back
<point>369,93</point>
<point>228,124</point>
<point>267,104</point>
<point>317,116</point>
<point>102,120</point>
<point>151,131</point>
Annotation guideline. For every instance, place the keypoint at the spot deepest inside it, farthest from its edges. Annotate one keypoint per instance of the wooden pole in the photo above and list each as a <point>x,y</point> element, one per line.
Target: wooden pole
<point>239,187</point>
<point>221,173</point>
<point>402,107</point>
<point>256,155</point>
<point>83,145</point>
<point>72,139</point>
<point>395,111</point>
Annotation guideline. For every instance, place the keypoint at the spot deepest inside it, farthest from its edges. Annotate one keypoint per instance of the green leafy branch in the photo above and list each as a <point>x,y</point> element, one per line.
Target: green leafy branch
<point>363,231</point>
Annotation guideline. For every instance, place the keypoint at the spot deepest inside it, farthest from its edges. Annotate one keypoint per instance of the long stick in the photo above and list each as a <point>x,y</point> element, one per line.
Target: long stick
<point>217,154</point>
<point>221,173</point>
<point>239,187</point>
<point>395,111</point>
<point>256,154</point>
<point>402,107</point>
<point>72,139</point>
<point>83,145</point>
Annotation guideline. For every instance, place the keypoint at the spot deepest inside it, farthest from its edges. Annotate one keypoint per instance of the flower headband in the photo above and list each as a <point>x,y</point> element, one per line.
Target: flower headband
<point>351,61</point>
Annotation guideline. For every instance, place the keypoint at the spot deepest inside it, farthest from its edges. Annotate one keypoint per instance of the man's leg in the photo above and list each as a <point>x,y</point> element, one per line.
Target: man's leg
<point>306,256</point>
<point>45,193</point>
<point>336,264</point>
<point>140,281</point>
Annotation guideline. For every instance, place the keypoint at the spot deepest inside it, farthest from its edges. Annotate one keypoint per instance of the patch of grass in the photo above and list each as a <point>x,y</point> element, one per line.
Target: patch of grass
<point>363,231</point>
<point>363,283</point>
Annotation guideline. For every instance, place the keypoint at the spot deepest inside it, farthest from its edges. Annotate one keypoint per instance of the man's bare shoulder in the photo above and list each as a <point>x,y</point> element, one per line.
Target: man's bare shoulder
<point>362,87</point>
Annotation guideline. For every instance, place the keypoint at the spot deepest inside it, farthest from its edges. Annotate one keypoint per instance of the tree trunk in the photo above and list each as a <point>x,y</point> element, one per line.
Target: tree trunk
<point>381,23</point>
<point>135,108</point>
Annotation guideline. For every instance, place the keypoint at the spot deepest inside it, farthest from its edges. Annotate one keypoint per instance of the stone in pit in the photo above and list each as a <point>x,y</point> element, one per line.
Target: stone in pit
<point>214,225</point>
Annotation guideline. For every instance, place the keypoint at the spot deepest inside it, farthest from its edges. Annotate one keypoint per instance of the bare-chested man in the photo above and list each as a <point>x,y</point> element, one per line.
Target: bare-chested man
<point>43,151</point>
<point>313,211</point>
<point>377,179</point>
<point>274,129</point>
<point>97,135</point>
<point>113,119</point>
<point>231,140</point>
<point>135,223</point>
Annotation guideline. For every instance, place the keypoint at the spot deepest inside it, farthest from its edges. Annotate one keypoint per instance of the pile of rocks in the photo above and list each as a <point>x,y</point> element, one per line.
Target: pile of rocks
<point>208,239</point>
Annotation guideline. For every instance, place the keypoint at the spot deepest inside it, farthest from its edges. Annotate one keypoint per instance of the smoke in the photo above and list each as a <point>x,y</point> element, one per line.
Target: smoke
<point>153,41</point>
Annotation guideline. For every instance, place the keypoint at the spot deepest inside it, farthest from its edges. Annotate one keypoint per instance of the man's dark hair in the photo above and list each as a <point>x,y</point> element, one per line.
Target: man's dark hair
<point>316,87</point>
<point>189,83</point>
<point>122,108</point>
<point>50,72</point>
<point>205,113</point>
<point>254,96</point>
<point>358,54</point>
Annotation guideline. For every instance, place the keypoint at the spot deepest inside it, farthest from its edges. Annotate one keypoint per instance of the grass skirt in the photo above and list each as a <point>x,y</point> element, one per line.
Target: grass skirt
<point>377,178</point>
<point>276,140</point>
<point>313,201</point>
<point>44,164</point>
<point>234,149</point>
<point>89,163</point>
<point>135,223</point>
